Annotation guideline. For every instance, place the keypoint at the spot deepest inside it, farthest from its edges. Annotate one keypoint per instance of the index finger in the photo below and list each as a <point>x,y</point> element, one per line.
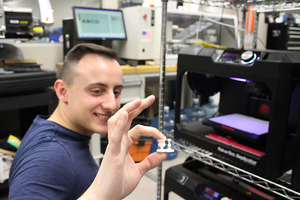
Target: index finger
<point>128,107</point>
<point>133,108</point>
<point>145,104</point>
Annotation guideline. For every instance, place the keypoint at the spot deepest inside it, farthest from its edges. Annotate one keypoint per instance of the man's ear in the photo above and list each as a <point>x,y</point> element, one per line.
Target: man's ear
<point>61,90</point>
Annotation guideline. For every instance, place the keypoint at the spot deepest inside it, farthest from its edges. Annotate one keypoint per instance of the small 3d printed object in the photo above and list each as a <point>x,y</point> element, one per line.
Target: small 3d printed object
<point>164,146</point>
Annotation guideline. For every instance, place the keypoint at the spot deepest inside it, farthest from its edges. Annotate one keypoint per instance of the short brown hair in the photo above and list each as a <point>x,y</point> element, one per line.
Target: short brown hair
<point>77,52</point>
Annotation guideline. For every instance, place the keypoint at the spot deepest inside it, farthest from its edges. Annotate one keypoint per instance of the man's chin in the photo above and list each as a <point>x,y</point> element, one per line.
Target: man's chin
<point>101,131</point>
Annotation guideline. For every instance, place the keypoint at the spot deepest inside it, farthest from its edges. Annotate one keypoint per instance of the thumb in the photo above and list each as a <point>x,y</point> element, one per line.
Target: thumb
<point>151,161</point>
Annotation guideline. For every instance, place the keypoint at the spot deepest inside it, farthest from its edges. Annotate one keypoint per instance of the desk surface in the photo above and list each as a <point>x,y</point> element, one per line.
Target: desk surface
<point>127,69</point>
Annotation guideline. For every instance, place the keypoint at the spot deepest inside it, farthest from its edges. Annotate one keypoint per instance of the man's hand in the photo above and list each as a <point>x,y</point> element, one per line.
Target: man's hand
<point>119,174</point>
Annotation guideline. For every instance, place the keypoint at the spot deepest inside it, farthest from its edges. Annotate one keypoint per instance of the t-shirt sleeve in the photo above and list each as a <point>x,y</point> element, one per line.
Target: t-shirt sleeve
<point>45,172</point>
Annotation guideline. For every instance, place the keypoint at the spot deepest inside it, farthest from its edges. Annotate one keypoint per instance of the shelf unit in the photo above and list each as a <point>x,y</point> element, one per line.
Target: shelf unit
<point>234,100</point>
<point>208,158</point>
<point>260,5</point>
<point>280,188</point>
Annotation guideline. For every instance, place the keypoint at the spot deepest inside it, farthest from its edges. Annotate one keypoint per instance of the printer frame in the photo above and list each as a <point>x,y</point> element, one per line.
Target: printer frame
<point>280,72</point>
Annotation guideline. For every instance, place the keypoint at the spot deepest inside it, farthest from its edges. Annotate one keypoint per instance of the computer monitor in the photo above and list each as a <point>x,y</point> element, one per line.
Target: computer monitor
<point>95,23</point>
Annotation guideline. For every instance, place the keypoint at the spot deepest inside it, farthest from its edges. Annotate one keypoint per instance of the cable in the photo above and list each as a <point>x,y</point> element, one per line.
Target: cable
<point>231,26</point>
<point>198,27</point>
<point>238,22</point>
<point>220,33</point>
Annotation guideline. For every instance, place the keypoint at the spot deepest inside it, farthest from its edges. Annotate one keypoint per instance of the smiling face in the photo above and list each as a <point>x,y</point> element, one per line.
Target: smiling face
<point>94,96</point>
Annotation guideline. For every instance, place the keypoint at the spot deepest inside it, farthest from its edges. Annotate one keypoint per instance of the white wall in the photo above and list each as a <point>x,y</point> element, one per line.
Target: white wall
<point>110,4</point>
<point>46,54</point>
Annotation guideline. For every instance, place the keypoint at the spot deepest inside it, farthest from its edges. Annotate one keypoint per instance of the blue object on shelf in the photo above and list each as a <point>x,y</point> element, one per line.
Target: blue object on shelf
<point>54,37</point>
<point>210,108</point>
<point>195,112</point>
<point>183,116</point>
<point>168,121</point>
<point>168,125</point>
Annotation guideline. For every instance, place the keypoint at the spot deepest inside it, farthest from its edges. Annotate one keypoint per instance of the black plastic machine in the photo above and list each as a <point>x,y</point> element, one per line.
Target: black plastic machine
<point>256,125</point>
<point>194,180</point>
<point>20,76</point>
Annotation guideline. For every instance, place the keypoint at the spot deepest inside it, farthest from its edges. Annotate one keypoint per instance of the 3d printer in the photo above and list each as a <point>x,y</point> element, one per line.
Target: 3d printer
<point>256,128</point>
<point>16,22</point>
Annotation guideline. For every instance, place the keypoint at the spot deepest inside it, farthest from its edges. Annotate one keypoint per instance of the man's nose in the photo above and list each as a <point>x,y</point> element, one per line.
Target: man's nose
<point>110,102</point>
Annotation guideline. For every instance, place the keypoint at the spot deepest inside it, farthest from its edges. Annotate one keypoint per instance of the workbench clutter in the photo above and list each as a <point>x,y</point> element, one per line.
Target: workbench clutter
<point>19,75</point>
<point>10,143</point>
<point>8,146</point>
<point>5,164</point>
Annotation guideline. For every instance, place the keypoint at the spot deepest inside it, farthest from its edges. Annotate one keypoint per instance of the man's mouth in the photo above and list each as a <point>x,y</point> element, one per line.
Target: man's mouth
<point>102,116</point>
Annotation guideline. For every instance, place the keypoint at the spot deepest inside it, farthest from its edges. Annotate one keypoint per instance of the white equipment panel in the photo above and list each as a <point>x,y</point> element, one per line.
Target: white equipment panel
<point>46,12</point>
<point>143,28</point>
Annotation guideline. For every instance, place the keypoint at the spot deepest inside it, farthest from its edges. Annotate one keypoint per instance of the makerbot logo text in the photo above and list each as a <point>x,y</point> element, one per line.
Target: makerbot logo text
<point>91,21</point>
<point>238,156</point>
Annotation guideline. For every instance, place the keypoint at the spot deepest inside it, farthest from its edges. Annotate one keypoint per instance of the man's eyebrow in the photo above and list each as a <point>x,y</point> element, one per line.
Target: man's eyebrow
<point>98,84</point>
<point>104,85</point>
<point>119,87</point>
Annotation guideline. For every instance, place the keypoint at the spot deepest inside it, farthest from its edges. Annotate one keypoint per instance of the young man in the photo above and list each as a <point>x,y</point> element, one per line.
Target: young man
<point>54,161</point>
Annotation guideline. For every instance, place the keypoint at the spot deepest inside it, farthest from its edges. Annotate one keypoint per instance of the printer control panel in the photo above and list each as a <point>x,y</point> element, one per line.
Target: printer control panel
<point>237,57</point>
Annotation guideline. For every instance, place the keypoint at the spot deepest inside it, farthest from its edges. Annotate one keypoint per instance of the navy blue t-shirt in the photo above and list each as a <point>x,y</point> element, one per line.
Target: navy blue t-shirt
<point>52,162</point>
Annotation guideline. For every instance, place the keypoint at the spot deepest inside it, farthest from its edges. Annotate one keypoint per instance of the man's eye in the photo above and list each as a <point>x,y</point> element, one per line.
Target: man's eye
<point>117,93</point>
<point>96,91</point>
